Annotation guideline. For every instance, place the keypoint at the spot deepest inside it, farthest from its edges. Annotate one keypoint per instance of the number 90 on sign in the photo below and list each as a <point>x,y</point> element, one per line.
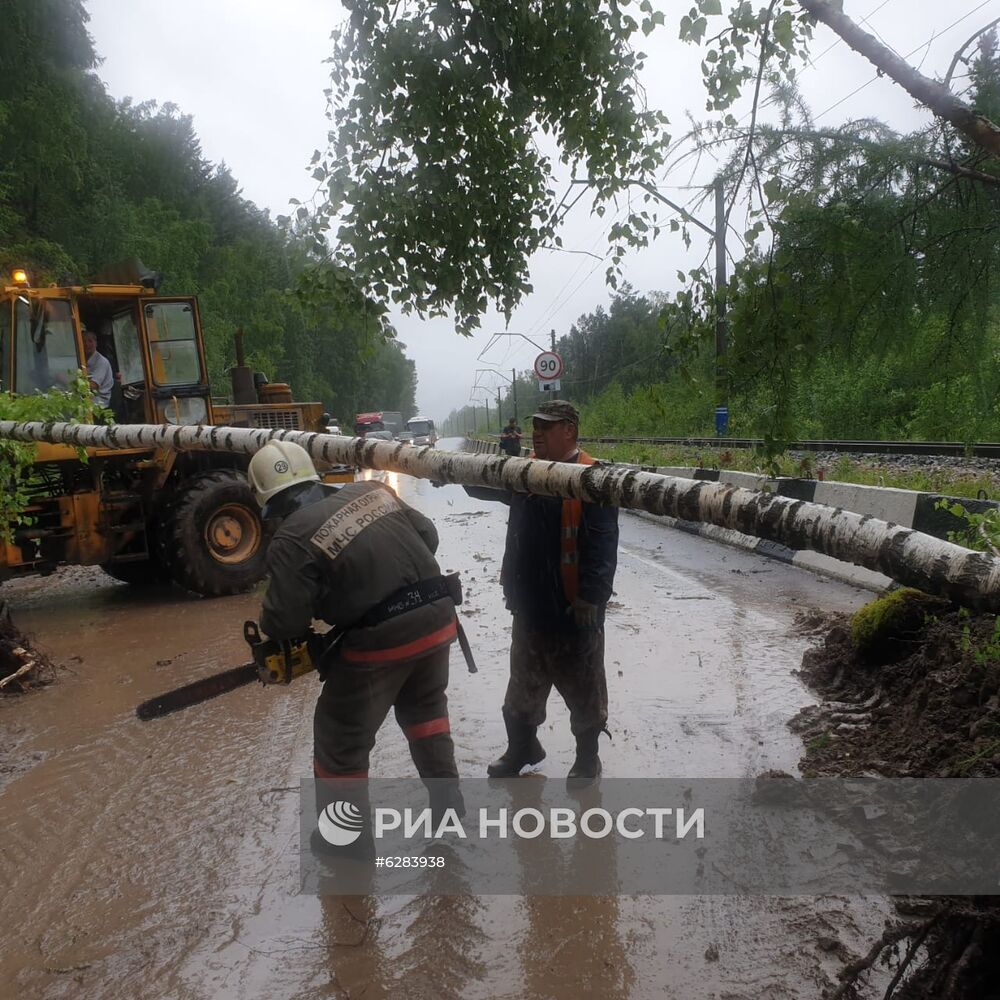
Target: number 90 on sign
<point>548,365</point>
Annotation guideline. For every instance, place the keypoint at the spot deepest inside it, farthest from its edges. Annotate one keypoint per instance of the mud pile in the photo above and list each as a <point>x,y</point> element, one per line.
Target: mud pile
<point>921,699</point>
<point>21,665</point>
<point>925,702</point>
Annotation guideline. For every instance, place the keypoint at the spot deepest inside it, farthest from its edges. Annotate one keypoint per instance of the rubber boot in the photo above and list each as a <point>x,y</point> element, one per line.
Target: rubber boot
<point>587,767</point>
<point>434,758</point>
<point>444,794</point>
<point>343,809</point>
<point>523,749</point>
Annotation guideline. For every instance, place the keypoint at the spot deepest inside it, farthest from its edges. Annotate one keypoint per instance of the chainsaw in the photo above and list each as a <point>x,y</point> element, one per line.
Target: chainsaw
<point>275,661</point>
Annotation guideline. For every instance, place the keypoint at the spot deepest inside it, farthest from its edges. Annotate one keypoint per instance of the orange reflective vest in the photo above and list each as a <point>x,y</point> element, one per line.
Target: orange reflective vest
<point>569,555</point>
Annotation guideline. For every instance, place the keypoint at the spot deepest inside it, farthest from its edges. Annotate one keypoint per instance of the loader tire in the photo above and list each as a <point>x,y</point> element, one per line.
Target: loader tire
<point>214,541</point>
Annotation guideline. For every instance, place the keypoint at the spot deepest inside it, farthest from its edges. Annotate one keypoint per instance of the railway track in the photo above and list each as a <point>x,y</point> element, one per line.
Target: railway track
<point>929,448</point>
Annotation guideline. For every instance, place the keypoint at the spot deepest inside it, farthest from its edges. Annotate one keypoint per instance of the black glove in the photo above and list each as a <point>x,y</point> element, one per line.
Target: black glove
<point>584,614</point>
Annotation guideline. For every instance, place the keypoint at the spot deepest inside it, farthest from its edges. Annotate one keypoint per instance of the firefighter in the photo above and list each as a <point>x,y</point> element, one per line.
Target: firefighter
<point>360,559</point>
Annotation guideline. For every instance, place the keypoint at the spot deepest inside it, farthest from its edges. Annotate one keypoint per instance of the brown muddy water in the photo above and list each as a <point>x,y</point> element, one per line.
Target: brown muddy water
<point>159,860</point>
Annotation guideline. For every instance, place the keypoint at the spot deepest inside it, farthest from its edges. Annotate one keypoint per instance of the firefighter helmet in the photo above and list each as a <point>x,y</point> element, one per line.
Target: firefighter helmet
<point>276,467</point>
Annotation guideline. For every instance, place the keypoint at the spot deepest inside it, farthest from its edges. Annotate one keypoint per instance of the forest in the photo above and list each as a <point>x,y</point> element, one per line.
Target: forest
<point>874,314</point>
<point>862,299</point>
<point>862,302</point>
<point>87,181</point>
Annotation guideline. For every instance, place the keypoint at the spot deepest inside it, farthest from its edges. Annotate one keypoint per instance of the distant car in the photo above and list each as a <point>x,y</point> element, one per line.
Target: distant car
<point>379,436</point>
<point>406,437</point>
<point>333,429</point>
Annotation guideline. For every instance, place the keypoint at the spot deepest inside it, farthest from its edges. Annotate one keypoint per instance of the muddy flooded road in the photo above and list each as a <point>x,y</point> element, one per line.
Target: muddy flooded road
<point>160,859</point>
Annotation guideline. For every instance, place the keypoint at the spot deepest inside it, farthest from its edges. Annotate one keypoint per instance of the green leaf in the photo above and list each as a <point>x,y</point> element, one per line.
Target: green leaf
<point>772,188</point>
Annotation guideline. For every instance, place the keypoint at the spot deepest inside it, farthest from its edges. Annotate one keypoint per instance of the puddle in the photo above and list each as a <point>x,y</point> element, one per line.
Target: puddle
<point>159,859</point>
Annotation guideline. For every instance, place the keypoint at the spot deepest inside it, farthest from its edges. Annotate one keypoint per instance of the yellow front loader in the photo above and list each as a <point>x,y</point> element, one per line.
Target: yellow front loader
<point>142,515</point>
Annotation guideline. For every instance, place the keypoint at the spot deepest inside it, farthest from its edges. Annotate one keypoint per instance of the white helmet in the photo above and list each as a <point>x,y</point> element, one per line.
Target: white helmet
<point>278,465</point>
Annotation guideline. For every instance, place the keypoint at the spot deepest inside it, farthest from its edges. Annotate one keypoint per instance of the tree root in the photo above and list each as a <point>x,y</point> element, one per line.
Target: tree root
<point>854,707</point>
<point>20,665</point>
<point>27,666</point>
<point>958,970</point>
<point>890,936</point>
<point>910,953</point>
<point>957,942</point>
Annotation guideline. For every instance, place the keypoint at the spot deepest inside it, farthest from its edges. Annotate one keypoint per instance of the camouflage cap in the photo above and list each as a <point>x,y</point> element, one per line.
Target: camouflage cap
<point>558,409</point>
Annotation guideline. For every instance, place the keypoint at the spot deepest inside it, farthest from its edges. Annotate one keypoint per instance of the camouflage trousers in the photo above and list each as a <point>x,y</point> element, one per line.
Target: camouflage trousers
<point>571,661</point>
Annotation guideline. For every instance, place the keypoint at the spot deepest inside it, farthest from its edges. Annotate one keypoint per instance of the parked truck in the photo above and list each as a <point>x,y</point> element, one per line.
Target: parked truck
<point>378,420</point>
<point>144,515</point>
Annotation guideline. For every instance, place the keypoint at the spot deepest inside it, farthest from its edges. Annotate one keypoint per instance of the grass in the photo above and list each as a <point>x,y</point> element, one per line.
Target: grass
<point>948,481</point>
<point>988,752</point>
<point>819,742</point>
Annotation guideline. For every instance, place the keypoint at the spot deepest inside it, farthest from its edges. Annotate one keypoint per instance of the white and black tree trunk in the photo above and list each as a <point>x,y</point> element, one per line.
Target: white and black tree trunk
<point>909,557</point>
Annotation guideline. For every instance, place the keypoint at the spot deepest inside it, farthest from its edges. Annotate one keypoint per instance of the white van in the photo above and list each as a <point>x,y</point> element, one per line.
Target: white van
<point>423,431</point>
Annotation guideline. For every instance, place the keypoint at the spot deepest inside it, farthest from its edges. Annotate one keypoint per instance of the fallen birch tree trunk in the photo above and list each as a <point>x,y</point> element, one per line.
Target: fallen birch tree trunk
<point>909,557</point>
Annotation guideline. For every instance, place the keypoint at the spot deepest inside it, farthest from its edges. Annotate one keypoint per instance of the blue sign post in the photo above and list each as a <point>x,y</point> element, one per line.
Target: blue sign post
<point>721,421</point>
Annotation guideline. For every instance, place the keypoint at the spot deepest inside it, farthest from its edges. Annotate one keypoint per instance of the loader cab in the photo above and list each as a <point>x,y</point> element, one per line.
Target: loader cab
<point>154,345</point>
<point>155,350</point>
<point>177,389</point>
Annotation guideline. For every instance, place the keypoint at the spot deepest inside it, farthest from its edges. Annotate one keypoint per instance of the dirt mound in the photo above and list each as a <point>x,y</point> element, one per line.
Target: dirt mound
<point>934,712</point>
<point>921,699</point>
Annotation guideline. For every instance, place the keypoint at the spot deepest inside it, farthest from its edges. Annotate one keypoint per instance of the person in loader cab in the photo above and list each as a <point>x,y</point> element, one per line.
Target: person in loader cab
<point>362,560</point>
<point>99,372</point>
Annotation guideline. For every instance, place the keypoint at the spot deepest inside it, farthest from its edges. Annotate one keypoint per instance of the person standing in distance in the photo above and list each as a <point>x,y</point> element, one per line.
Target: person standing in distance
<point>558,573</point>
<point>510,438</point>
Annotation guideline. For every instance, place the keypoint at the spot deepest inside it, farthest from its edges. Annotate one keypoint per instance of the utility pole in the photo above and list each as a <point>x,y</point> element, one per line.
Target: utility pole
<point>513,388</point>
<point>721,324</point>
<point>513,372</point>
<point>718,234</point>
<point>552,334</point>
<point>499,411</point>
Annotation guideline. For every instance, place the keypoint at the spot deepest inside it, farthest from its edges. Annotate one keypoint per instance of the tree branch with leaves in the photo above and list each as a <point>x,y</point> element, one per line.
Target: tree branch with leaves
<point>436,187</point>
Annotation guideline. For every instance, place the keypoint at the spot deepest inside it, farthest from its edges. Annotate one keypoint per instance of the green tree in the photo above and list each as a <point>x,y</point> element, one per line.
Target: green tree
<point>86,181</point>
<point>435,178</point>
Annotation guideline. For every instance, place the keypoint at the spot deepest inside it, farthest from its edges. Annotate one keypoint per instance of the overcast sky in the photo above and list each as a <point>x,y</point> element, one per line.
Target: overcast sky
<point>252,75</point>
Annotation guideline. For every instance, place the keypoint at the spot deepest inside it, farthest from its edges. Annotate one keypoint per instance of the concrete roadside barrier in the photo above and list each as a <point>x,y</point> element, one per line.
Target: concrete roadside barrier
<point>909,508</point>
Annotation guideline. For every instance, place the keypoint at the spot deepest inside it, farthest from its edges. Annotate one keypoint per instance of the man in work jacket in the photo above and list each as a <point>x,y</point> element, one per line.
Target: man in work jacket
<point>510,438</point>
<point>362,560</point>
<point>558,574</point>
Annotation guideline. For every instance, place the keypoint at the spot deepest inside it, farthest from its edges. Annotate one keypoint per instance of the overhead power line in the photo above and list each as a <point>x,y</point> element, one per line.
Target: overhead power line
<point>838,40</point>
<point>935,35</point>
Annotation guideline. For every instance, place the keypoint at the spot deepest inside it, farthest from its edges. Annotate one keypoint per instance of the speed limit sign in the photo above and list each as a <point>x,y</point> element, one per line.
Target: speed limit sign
<point>548,365</point>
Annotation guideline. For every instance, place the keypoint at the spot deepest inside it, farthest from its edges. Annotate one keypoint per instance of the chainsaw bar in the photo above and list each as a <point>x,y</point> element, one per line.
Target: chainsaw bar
<point>197,692</point>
